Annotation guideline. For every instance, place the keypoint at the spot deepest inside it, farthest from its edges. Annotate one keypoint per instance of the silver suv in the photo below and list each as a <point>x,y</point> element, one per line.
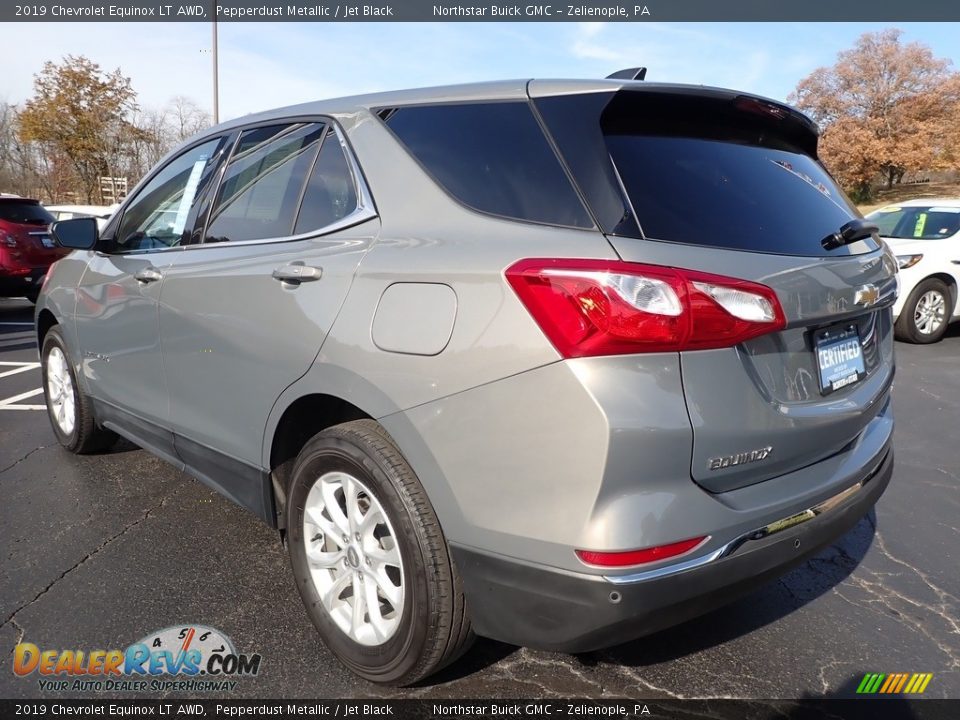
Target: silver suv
<point>558,363</point>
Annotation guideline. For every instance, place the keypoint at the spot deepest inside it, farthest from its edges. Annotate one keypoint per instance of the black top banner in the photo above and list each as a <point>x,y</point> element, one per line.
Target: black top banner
<point>480,11</point>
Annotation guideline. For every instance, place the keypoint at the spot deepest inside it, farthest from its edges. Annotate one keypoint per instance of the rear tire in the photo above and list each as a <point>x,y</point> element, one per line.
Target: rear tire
<point>926,313</point>
<point>69,410</point>
<point>398,561</point>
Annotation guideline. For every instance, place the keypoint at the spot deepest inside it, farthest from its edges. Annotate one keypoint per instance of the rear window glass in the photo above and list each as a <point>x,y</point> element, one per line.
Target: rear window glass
<point>917,223</point>
<point>492,157</point>
<point>25,213</point>
<point>702,167</point>
<point>728,195</point>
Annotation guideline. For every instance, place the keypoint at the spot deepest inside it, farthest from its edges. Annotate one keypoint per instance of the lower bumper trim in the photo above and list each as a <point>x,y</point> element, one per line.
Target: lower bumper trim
<point>551,609</point>
<point>777,526</point>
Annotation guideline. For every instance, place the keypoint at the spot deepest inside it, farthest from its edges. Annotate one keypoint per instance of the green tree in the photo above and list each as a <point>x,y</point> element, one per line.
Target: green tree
<point>80,113</point>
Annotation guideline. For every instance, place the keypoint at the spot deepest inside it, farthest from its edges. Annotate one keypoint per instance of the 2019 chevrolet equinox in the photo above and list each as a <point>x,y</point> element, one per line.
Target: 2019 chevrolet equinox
<point>558,363</point>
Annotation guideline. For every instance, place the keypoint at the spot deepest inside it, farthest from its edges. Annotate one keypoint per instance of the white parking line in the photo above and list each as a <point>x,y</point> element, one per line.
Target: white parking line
<point>12,403</point>
<point>22,396</point>
<point>24,368</point>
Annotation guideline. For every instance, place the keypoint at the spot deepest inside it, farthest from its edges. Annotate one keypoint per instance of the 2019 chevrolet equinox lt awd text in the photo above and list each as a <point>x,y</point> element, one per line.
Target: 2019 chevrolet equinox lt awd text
<point>558,363</point>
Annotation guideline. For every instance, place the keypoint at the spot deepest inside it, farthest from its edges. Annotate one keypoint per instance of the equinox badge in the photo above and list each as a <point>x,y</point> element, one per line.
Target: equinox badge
<point>725,461</point>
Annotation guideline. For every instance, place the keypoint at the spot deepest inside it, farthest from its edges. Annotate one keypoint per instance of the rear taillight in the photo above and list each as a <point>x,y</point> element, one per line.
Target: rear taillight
<point>640,557</point>
<point>608,307</point>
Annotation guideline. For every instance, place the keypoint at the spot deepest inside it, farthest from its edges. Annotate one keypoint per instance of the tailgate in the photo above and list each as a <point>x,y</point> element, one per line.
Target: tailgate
<point>722,183</point>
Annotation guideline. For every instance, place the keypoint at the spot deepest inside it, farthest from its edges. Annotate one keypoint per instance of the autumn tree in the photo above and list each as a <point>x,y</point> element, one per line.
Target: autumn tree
<point>80,114</point>
<point>886,108</point>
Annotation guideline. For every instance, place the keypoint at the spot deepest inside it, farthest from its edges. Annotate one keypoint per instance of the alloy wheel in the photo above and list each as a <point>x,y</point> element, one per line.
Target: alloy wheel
<point>60,394</point>
<point>354,560</point>
<point>930,312</point>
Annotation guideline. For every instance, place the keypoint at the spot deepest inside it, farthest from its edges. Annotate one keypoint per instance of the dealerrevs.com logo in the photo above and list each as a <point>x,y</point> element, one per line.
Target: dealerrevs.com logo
<point>186,658</point>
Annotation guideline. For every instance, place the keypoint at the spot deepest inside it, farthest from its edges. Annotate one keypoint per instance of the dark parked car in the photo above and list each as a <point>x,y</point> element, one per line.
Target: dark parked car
<point>26,248</point>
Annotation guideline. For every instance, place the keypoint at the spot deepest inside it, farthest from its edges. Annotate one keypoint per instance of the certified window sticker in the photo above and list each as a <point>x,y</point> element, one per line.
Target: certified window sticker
<point>187,658</point>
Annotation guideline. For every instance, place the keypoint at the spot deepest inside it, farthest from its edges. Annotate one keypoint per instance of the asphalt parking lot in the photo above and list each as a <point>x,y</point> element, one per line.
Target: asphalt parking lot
<point>98,551</point>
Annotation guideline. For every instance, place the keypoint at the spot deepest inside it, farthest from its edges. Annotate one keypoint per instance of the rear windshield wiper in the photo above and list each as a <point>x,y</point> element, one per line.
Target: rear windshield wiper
<point>856,229</point>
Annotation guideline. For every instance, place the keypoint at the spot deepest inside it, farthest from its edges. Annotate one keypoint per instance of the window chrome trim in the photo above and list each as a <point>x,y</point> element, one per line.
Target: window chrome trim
<point>365,210</point>
<point>777,526</point>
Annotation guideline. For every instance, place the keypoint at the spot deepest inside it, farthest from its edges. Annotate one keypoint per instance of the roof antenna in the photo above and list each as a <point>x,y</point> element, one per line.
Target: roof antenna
<point>637,73</point>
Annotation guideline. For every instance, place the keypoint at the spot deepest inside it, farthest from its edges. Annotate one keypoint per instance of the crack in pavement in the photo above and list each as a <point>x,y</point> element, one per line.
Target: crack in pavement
<point>635,677</point>
<point>17,462</point>
<point>11,620</point>
<point>20,632</point>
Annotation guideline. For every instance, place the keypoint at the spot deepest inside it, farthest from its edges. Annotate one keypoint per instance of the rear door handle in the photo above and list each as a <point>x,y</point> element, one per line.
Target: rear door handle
<point>148,275</point>
<point>297,273</point>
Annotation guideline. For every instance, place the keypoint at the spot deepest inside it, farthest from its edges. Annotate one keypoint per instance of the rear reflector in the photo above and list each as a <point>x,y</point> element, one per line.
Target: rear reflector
<point>609,307</point>
<point>639,557</point>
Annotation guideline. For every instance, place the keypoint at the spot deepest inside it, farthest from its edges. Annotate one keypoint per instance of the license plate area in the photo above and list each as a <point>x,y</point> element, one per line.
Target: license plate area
<point>839,353</point>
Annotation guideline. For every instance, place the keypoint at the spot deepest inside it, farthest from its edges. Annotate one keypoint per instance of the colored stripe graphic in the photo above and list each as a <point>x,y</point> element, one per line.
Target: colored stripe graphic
<point>894,683</point>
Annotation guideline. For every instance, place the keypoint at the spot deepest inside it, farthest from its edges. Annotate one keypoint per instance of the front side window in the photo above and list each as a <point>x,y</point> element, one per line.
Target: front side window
<point>261,188</point>
<point>917,223</point>
<point>157,217</point>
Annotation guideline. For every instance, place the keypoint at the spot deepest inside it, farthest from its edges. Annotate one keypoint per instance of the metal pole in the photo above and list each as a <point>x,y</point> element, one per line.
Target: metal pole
<point>216,78</point>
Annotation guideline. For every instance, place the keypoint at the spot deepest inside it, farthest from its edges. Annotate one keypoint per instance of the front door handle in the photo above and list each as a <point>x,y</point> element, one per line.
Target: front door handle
<point>297,273</point>
<point>148,275</point>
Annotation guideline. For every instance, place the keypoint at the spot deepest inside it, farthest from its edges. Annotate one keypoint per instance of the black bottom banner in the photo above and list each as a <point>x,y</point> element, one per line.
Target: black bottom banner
<point>860,709</point>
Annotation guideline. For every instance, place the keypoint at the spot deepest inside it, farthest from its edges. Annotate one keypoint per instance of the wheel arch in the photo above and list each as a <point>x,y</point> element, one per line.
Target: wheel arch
<point>951,282</point>
<point>45,320</point>
<point>328,395</point>
<point>303,418</point>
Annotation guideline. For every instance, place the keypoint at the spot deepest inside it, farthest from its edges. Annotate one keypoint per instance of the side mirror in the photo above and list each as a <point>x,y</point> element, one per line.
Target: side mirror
<point>76,234</point>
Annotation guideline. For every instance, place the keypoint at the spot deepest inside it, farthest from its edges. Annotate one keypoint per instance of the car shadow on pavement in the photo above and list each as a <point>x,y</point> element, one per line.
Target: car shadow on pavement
<point>816,576</point>
<point>813,578</point>
<point>16,321</point>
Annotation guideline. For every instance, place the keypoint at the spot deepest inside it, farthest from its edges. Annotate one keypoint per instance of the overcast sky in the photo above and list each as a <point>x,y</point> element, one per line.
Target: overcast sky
<point>264,65</point>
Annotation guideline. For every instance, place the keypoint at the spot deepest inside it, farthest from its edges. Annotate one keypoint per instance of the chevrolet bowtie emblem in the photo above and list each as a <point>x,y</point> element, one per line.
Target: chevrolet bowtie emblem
<point>867,295</point>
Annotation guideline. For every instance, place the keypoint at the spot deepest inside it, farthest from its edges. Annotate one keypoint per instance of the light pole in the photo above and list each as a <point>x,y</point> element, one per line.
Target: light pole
<point>216,74</point>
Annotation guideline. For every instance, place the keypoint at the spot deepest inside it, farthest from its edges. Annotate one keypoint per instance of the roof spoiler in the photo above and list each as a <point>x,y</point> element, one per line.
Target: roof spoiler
<point>637,73</point>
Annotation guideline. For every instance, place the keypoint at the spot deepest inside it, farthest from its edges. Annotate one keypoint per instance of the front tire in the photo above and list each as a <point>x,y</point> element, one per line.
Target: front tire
<point>370,559</point>
<point>926,313</point>
<point>69,410</point>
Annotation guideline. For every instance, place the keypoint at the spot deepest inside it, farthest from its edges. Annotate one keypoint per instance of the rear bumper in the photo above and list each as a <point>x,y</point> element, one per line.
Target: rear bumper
<point>18,285</point>
<point>557,610</point>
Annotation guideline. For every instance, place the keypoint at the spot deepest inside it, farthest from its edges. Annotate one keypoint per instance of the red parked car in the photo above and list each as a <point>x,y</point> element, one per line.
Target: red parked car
<point>26,248</point>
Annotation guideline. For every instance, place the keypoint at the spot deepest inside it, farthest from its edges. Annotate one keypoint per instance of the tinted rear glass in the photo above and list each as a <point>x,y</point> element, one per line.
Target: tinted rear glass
<point>25,213</point>
<point>492,157</point>
<point>706,192</point>
<point>706,168</point>
<point>917,223</point>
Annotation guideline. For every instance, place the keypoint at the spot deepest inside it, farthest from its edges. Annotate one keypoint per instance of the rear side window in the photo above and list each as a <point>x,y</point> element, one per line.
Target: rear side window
<point>492,157</point>
<point>25,213</point>
<point>261,187</point>
<point>331,194</point>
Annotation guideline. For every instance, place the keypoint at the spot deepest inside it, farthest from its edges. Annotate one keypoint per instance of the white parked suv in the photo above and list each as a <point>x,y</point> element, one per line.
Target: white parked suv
<point>925,236</point>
